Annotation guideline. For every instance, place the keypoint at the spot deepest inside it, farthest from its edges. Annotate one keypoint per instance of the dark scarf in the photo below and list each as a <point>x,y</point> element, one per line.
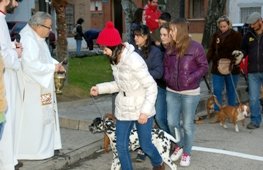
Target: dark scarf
<point>221,37</point>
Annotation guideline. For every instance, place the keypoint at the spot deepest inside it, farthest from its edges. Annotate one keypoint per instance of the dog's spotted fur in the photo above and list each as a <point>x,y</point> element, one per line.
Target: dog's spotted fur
<point>162,141</point>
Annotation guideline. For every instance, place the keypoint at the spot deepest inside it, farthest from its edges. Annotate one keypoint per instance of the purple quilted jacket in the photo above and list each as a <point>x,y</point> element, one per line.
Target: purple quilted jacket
<point>185,73</point>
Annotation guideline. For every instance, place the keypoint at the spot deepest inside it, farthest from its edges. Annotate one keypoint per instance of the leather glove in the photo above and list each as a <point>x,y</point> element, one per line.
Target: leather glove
<point>238,55</point>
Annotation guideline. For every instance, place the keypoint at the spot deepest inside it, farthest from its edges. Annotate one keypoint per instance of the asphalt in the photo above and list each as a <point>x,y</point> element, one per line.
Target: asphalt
<point>214,146</point>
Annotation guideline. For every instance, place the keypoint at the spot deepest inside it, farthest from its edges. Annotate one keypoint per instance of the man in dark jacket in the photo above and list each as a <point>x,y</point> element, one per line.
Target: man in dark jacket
<point>79,35</point>
<point>89,36</point>
<point>252,46</point>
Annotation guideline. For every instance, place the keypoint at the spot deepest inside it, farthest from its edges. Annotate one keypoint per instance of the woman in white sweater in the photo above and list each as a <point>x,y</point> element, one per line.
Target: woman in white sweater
<point>136,97</point>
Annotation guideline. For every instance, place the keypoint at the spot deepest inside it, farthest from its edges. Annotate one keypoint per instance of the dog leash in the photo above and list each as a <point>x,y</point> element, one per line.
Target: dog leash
<point>210,91</point>
<point>207,85</point>
<point>98,109</point>
<point>238,99</point>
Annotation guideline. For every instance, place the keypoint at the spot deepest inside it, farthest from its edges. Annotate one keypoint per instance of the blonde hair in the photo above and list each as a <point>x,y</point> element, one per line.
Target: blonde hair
<point>224,18</point>
<point>182,38</point>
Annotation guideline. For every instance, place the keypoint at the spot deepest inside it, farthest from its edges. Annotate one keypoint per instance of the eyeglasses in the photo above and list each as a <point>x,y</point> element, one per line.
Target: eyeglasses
<point>155,2</point>
<point>45,26</point>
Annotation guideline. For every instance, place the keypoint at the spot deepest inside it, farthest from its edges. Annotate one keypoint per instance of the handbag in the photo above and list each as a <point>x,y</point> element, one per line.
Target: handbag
<point>224,66</point>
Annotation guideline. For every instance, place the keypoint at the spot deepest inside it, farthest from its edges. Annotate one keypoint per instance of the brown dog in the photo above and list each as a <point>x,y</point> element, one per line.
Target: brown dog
<point>106,140</point>
<point>233,113</point>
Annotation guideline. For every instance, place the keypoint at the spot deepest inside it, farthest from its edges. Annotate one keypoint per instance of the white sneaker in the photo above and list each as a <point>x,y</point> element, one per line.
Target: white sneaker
<point>177,154</point>
<point>185,160</point>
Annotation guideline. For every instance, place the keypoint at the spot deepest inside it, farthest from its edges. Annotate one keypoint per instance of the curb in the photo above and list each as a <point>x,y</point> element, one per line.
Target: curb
<point>69,123</point>
<point>64,160</point>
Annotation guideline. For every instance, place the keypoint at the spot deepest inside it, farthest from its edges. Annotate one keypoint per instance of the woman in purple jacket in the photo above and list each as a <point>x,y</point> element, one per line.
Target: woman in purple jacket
<point>185,64</point>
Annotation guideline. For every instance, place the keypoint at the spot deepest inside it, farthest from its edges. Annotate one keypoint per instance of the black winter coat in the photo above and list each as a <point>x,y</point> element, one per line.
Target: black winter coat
<point>79,33</point>
<point>252,46</point>
<point>222,46</point>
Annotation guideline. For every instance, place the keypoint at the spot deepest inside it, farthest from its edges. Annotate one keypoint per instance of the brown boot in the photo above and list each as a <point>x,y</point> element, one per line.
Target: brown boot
<point>159,167</point>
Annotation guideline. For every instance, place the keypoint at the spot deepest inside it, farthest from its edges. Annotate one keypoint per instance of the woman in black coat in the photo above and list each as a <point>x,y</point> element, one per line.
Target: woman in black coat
<point>79,35</point>
<point>224,44</point>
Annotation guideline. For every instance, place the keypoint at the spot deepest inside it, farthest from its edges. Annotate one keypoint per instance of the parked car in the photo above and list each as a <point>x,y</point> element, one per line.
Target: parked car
<point>16,26</point>
<point>240,27</point>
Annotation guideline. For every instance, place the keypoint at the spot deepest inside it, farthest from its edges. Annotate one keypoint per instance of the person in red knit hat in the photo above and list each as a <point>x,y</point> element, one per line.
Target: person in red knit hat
<point>151,15</point>
<point>136,96</point>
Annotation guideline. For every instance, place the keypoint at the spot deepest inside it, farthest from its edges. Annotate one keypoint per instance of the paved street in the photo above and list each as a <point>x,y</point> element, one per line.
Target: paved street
<point>215,148</point>
<point>246,143</point>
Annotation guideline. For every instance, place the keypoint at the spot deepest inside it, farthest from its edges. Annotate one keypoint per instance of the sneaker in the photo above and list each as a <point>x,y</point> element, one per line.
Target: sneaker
<point>185,160</point>
<point>140,156</point>
<point>252,126</point>
<point>177,153</point>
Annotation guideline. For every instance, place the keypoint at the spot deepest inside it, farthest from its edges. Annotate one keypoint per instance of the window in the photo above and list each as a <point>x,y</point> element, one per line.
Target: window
<point>197,9</point>
<point>244,12</point>
<point>162,4</point>
<point>96,5</point>
<point>70,18</point>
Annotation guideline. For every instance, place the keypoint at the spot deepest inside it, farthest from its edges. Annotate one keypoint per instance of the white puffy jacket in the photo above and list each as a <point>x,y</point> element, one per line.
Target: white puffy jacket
<point>137,89</point>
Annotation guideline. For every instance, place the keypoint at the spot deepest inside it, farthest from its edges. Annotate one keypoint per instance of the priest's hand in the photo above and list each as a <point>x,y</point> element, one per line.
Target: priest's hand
<point>94,91</point>
<point>59,68</point>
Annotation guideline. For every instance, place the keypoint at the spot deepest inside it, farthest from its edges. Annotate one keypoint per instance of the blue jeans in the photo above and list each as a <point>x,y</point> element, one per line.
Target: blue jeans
<point>123,129</point>
<point>78,43</point>
<point>255,80</point>
<point>219,83</point>
<point>161,110</point>
<point>180,106</point>
<point>2,125</point>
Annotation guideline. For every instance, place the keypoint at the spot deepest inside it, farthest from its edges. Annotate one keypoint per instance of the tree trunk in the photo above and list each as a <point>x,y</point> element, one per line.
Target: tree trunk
<point>129,7</point>
<point>62,44</point>
<point>216,9</point>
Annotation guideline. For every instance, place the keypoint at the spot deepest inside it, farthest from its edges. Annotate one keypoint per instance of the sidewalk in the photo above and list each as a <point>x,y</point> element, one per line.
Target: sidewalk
<point>78,143</point>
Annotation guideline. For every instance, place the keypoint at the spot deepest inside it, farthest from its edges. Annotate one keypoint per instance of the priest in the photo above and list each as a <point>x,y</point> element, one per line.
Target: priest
<point>38,130</point>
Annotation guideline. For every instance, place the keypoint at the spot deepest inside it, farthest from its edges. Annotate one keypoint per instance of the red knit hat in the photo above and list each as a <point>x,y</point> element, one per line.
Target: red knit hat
<point>109,36</point>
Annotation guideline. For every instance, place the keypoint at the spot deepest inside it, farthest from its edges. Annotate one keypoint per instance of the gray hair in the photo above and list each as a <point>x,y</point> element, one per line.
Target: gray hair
<point>39,18</point>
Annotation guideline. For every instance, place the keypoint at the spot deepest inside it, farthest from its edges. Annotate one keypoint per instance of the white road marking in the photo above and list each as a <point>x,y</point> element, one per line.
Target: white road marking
<point>231,153</point>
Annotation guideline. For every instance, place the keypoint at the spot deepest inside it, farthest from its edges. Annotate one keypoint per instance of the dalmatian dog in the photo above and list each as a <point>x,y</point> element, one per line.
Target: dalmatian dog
<point>162,141</point>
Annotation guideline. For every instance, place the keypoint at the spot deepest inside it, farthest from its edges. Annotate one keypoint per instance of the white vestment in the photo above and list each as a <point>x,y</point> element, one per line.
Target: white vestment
<point>38,129</point>
<point>12,66</point>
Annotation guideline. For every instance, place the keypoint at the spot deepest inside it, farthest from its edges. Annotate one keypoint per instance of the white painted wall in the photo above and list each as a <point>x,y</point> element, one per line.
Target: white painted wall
<point>22,12</point>
<point>235,5</point>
